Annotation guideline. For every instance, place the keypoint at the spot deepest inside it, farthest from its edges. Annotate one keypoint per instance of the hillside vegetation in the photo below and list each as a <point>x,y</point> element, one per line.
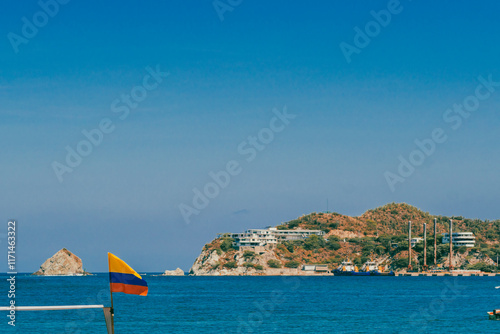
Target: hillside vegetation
<point>379,233</point>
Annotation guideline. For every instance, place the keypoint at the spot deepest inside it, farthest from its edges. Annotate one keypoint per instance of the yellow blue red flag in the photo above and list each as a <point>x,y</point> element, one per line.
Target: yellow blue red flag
<point>124,279</point>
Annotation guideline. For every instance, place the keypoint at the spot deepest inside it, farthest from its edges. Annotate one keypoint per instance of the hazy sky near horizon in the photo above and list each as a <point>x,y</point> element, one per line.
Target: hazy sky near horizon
<point>352,121</point>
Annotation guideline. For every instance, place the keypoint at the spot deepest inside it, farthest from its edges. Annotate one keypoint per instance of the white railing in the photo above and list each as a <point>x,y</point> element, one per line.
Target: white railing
<point>49,308</point>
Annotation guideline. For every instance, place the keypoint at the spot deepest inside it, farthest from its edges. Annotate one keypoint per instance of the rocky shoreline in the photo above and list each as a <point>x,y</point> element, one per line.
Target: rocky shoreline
<point>211,263</point>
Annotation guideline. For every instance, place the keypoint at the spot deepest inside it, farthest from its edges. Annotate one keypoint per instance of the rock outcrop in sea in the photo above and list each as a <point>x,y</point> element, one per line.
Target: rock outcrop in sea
<point>62,263</point>
<point>176,272</point>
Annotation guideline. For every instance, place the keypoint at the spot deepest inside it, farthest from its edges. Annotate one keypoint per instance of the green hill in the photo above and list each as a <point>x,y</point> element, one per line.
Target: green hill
<point>381,233</point>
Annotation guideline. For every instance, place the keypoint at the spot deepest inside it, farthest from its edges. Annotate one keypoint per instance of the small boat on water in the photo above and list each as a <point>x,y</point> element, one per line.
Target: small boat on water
<point>370,268</point>
<point>495,315</point>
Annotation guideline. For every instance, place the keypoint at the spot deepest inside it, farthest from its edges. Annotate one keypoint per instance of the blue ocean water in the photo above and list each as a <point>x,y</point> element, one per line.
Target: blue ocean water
<point>261,305</point>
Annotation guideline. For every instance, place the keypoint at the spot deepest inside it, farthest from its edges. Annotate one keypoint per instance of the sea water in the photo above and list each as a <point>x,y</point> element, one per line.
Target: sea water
<point>260,305</point>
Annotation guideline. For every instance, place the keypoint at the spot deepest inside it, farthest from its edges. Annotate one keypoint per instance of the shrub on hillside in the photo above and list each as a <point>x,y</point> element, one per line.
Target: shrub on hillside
<point>380,250</point>
<point>292,264</point>
<point>314,242</point>
<point>371,225</point>
<point>231,264</point>
<point>293,224</point>
<point>333,225</point>
<point>333,244</point>
<point>248,254</point>
<point>227,244</point>
<point>289,246</point>
<point>274,264</point>
<point>402,245</point>
<point>483,267</point>
<point>367,249</point>
<point>400,263</point>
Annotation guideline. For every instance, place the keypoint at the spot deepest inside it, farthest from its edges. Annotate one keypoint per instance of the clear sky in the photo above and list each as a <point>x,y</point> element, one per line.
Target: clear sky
<point>229,65</point>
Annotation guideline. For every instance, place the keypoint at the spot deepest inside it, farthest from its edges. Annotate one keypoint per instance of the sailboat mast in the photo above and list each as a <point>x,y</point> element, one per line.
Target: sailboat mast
<point>425,246</point>
<point>409,245</point>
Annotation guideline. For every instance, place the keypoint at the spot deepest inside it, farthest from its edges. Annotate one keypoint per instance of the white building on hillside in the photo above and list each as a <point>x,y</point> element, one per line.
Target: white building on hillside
<point>254,238</point>
<point>291,235</point>
<point>270,236</point>
<point>460,239</point>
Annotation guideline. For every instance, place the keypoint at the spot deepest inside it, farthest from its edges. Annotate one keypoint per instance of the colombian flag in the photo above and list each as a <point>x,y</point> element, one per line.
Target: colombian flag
<point>122,278</point>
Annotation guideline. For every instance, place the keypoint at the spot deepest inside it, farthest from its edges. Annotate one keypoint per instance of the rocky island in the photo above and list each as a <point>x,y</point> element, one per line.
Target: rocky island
<point>62,263</point>
<point>317,243</point>
<point>176,272</point>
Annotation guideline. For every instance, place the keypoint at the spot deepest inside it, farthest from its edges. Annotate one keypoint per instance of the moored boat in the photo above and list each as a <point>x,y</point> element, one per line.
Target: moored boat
<point>347,268</point>
<point>376,270</point>
<point>370,268</point>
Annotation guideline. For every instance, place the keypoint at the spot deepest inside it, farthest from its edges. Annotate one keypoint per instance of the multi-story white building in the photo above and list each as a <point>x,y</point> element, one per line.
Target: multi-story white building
<point>460,239</point>
<point>291,235</point>
<point>254,238</point>
<point>270,236</point>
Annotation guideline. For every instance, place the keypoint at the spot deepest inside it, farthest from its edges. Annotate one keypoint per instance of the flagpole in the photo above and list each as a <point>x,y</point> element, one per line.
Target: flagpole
<point>119,268</point>
<point>112,311</point>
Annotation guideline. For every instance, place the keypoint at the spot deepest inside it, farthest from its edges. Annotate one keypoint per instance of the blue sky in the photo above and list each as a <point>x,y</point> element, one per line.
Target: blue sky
<point>353,120</point>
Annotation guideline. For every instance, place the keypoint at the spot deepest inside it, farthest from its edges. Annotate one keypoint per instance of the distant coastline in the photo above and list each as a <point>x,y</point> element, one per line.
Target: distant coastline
<point>323,240</point>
